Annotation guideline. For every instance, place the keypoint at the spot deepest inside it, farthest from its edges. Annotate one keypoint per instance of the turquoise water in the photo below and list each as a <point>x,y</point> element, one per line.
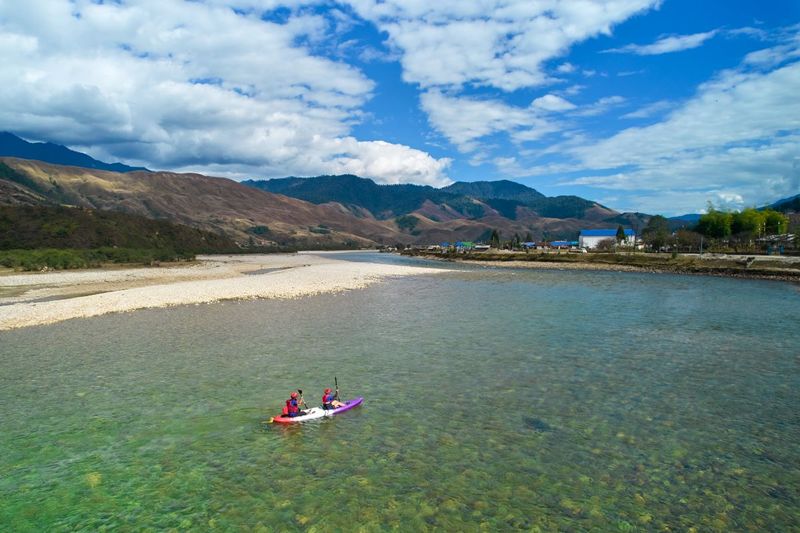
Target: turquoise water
<point>495,400</point>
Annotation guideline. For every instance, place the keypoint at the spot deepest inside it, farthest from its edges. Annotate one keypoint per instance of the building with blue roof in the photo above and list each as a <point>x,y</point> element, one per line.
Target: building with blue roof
<point>563,244</point>
<point>590,238</point>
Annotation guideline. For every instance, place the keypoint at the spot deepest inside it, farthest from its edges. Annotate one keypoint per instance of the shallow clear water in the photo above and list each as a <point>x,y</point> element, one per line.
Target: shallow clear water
<point>495,399</point>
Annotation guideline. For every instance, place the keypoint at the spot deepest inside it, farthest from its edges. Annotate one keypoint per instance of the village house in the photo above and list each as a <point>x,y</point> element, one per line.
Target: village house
<point>590,238</point>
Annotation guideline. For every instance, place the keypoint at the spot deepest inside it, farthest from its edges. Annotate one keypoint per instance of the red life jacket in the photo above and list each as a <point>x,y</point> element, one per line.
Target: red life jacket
<point>328,398</point>
<point>290,407</point>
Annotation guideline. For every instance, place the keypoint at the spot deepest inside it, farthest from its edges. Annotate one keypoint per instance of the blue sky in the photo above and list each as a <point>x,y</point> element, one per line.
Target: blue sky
<point>642,105</point>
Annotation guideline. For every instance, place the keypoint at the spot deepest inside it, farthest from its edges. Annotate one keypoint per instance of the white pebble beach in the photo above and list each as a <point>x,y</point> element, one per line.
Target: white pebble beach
<point>47,297</point>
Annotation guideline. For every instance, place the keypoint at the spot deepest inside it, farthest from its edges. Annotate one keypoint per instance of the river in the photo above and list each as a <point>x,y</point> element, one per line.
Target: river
<point>497,399</point>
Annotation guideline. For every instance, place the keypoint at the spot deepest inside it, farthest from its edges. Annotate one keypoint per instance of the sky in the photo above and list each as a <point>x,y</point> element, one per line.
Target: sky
<point>655,106</point>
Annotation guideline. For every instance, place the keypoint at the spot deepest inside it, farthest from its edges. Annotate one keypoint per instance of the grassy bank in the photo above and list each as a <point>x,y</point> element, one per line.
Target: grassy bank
<point>65,258</point>
<point>745,266</point>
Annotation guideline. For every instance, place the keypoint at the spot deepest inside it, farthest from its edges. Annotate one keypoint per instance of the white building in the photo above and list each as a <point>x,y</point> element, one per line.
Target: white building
<point>590,238</point>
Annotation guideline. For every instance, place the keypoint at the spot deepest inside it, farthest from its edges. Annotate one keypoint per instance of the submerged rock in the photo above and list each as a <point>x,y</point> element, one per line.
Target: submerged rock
<point>537,424</point>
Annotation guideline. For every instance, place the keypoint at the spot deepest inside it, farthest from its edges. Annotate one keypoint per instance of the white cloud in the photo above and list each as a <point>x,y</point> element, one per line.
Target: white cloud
<point>735,108</point>
<point>451,43</point>
<point>566,68</point>
<point>191,85</point>
<point>601,106</point>
<point>467,122</point>
<point>666,45</point>
<point>650,110</point>
<point>551,102</point>
<point>572,90</point>
<point>679,202</point>
<point>464,120</point>
<point>771,57</point>
<point>389,163</point>
<point>372,55</point>
<point>383,162</point>
<point>755,33</point>
<point>740,134</point>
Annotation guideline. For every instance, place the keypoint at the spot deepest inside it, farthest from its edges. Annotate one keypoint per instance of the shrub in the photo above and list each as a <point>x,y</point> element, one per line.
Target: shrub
<point>64,259</point>
<point>406,222</point>
<point>259,230</point>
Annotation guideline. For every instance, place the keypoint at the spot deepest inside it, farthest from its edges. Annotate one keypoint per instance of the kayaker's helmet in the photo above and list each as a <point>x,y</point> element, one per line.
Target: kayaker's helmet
<point>327,391</point>
<point>294,395</point>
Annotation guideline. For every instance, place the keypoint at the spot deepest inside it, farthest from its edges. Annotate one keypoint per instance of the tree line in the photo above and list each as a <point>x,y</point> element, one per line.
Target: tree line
<point>756,223</point>
<point>735,230</point>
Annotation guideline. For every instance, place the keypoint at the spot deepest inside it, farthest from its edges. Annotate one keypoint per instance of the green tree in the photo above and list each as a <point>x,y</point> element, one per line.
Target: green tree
<point>528,237</point>
<point>714,223</point>
<point>748,221</point>
<point>406,222</point>
<point>656,233</point>
<point>620,234</point>
<point>494,240</point>
<point>775,222</point>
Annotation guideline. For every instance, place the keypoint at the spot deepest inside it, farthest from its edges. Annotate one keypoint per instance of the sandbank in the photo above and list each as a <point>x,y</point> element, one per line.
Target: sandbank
<point>45,298</point>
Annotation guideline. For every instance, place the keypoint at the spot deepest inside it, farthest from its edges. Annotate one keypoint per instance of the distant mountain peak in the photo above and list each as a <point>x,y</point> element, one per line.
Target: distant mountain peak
<point>790,204</point>
<point>500,189</point>
<point>383,201</point>
<point>13,146</point>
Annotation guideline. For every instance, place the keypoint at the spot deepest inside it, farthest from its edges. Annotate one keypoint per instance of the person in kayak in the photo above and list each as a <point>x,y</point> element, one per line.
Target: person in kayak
<point>292,407</point>
<point>330,400</point>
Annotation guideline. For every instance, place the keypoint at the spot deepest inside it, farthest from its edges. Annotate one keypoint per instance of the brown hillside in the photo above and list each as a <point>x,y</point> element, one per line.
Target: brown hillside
<point>215,204</point>
<point>15,194</point>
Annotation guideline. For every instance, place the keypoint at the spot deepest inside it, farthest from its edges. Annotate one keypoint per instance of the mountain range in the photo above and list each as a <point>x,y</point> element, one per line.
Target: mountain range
<point>459,211</point>
<point>345,211</point>
<point>13,146</point>
<point>786,205</point>
<point>472,200</point>
<point>315,212</point>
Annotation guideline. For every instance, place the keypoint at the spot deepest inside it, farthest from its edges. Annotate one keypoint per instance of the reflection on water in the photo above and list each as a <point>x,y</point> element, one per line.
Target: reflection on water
<point>494,399</point>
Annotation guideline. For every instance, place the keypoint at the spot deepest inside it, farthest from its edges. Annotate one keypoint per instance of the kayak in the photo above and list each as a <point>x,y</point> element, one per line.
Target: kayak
<point>318,412</point>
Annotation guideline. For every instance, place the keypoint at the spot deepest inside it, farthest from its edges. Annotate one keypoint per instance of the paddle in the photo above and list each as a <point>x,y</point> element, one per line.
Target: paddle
<point>336,382</point>
<point>302,400</point>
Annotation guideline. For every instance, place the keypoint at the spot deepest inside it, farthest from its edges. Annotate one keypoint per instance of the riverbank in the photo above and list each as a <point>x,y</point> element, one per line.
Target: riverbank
<point>45,298</point>
<point>750,267</point>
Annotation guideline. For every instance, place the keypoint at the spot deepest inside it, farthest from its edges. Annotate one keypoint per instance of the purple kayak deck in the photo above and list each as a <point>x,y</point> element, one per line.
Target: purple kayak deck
<point>355,402</point>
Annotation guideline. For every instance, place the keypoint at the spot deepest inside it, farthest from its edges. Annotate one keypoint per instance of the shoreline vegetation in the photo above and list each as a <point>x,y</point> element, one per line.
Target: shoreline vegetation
<point>30,299</point>
<point>62,238</point>
<point>782,268</point>
<point>75,258</point>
